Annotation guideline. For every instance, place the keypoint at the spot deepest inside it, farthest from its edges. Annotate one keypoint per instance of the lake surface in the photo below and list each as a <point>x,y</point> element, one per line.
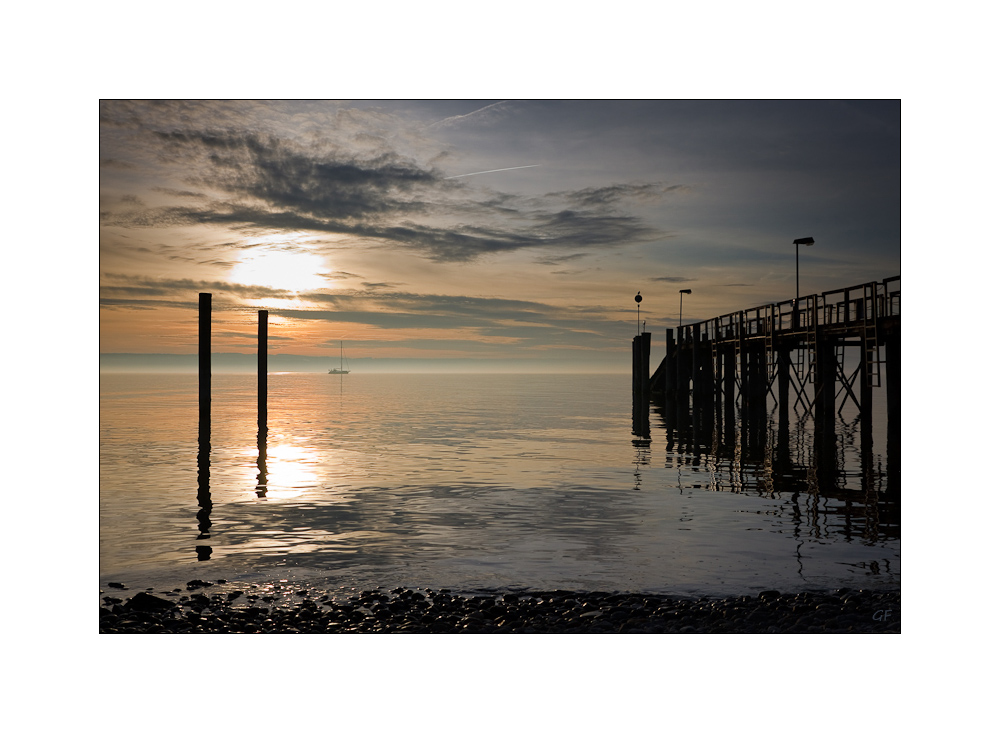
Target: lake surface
<point>475,482</point>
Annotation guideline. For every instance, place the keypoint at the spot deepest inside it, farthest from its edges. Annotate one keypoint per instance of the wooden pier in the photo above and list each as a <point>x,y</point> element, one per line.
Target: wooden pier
<point>792,353</point>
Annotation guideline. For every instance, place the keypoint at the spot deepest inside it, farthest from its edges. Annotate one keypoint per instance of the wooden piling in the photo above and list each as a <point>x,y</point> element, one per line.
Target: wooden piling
<point>640,363</point>
<point>261,371</point>
<point>204,359</point>
<point>728,355</point>
<point>784,359</point>
<point>683,367</point>
<point>670,366</point>
<point>204,421</point>
<point>825,384</point>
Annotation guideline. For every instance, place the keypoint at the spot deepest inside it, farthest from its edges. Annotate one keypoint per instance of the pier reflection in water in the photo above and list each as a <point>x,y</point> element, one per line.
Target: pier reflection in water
<point>832,483</point>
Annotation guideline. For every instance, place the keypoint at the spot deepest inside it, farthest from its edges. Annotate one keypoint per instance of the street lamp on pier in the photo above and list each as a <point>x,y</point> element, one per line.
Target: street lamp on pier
<point>808,242</point>
<point>680,315</point>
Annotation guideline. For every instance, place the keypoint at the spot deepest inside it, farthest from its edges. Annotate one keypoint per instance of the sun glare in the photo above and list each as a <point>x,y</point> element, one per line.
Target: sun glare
<point>294,271</point>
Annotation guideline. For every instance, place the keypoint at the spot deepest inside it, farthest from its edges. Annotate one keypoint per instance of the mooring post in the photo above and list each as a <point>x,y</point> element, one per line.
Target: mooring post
<point>204,359</point>
<point>203,552</point>
<point>640,363</point>
<point>261,372</point>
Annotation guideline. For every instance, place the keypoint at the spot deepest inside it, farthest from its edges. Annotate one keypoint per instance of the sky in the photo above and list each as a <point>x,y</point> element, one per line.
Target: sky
<point>491,234</point>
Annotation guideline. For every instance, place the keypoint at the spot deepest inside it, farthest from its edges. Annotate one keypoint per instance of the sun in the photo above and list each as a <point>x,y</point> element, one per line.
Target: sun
<point>281,270</point>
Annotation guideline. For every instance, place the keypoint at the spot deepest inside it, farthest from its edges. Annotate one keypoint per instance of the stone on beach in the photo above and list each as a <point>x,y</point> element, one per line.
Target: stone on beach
<point>407,611</point>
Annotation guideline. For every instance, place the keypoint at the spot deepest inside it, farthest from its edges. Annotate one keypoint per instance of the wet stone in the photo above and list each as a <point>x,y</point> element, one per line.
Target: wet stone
<point>536,612</point>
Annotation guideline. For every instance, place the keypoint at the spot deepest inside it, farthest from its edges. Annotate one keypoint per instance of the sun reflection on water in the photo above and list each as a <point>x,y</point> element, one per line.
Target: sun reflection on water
<point>285,470</point>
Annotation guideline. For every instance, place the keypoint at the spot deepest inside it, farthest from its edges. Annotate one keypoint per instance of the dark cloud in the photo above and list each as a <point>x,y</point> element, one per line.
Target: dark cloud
<point>115,286</point>
<point>561,259</point>
<point>267,182</point>
<point>115,163</point>
<point>180,193</point>
<point>669,279</point>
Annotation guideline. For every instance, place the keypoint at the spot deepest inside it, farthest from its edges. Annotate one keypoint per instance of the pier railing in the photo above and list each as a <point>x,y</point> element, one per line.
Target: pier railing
<point>851,307</point>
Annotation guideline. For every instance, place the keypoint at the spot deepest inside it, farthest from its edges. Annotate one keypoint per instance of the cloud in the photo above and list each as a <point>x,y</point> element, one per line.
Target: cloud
<point>670,279</point>
<point>116,287</point>
<point>261,181</point>
<point>179,193</point>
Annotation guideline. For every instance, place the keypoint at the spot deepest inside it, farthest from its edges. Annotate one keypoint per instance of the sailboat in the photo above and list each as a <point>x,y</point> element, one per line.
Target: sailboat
<point>341,370</point>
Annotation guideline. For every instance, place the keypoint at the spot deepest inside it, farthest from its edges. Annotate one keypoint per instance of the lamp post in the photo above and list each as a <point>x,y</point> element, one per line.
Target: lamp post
<point>638,299</point>
<point>680,315</point>
<point>808,242</point>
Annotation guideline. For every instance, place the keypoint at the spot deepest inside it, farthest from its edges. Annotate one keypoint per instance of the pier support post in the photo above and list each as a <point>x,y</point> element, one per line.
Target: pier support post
<point>784,369</point>
<point>729,391</point>
<point>755,396</point>
<point>683,368</point>
<point>670,367</point>
<point>825,405</point>
<point>702,366</point>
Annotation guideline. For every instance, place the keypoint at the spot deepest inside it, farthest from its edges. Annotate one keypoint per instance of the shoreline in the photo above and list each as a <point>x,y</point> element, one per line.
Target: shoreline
<point>207,608</point>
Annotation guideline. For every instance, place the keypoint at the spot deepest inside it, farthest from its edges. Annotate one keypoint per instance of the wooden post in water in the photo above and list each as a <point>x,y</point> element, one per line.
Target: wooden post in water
<point>640,363</point>
<point>683,368</point>
<point>204,360</point>
<point>755,397</point>
<point>261,372</point>
<point>825,408</point>
<point>670,367</point>
<point>204,422</point>
<point>784,368</point>
<point>729,387</point>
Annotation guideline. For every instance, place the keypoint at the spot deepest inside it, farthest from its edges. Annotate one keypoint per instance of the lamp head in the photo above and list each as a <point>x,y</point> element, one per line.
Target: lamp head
<point>688,291</point>
<point>807,241</point>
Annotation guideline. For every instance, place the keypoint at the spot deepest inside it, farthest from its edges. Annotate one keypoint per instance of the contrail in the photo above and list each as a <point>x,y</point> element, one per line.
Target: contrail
<point>495,170</point>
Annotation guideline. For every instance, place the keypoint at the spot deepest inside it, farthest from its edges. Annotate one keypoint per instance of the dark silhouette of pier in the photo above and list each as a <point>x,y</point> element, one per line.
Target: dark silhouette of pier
<point>793,353</point>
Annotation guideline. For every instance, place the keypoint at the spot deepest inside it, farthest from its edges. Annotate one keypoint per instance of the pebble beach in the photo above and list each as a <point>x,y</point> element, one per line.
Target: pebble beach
<point>209,607</point>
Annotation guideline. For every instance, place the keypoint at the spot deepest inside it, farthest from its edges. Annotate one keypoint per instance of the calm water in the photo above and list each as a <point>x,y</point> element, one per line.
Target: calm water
<point>469,482</point>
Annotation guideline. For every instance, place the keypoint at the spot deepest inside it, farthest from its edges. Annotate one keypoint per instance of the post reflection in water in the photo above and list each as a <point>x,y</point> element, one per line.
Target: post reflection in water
<point>204,552</point>
<point>262,463</point>
<point>832,483</point>
<point>640,429</point>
